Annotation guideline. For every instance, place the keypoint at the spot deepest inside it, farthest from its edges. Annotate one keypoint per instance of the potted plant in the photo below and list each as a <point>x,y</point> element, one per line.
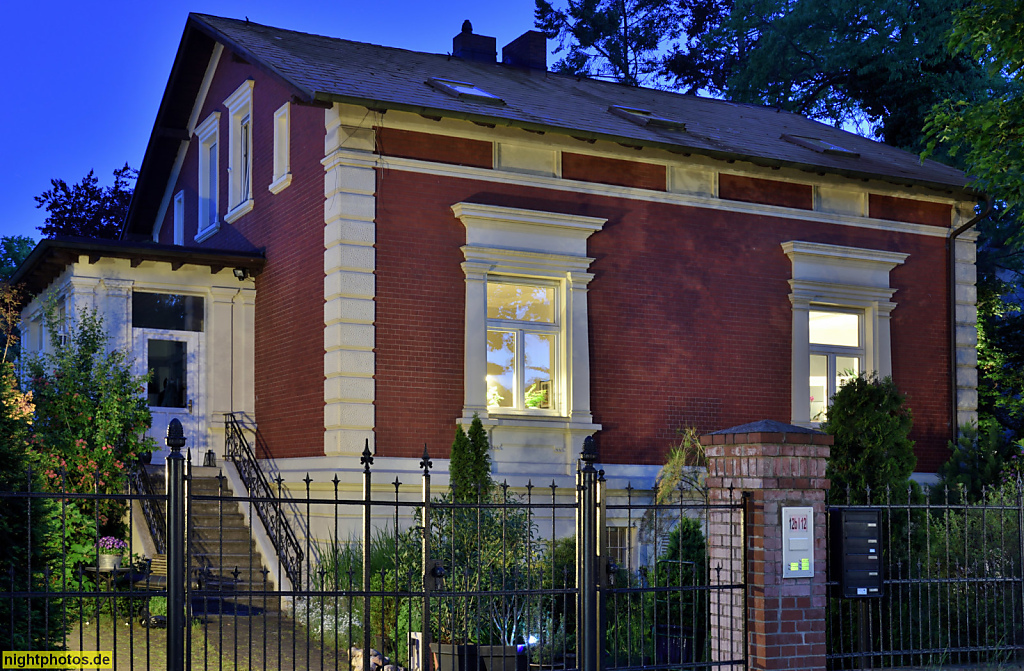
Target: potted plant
<point>111,552</point>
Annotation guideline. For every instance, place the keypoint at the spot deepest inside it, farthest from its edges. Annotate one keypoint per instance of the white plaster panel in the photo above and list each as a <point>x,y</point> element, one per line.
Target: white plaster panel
<point>967,399</point>
<point>349,257</point>
<point>348,415</point>
<point>966,293</point>
<point>966,356</point>
<point>349,283</point>
<point>840,201</point>
<point>349,309</point>
<point>348,335</point>
<point>351,179</point>
<point>966,251</point>
<point>966,273</point>
<point>347,137</point>
<point>347,388</point>
<point>348,362</point>
<point>966,377</point>
<point>349,231</point>
<point>347,441</point>
<point>966,314</point>
<point>519,158</point>
<point>967,336</point>
<point>692,181</point>
<point>349,206</point>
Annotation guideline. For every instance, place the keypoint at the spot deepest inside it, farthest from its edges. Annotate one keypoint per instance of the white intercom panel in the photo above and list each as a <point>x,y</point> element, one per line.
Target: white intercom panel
<point>797,542</point>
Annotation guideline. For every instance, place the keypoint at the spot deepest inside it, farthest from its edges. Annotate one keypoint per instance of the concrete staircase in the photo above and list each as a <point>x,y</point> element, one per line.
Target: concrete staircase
<point>224,560</point>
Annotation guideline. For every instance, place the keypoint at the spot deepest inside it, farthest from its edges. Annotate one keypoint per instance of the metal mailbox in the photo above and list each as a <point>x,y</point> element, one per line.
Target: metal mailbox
<point>855,557</point>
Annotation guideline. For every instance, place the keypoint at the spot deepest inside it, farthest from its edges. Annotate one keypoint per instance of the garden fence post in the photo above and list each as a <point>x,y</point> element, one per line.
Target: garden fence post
<point>366,461</point>
<point>426,659</point>
<point>175,548</point>
<point>589,632</point>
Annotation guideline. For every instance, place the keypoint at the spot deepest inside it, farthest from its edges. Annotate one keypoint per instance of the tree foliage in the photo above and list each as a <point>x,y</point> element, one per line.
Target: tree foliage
<point>13,250</point>
<point>877,61</point>
<point>87,209</point>
<point>871,423</point>
<point>622,40</point>
<point>470,467</point>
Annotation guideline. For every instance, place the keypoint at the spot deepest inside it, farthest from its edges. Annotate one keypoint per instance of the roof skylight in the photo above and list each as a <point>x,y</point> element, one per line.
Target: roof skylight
<point>642,117</point>
<point>464,90</point>
<point>820,146</point>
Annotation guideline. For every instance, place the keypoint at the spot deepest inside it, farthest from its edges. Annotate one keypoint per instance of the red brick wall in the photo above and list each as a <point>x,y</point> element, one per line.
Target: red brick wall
<point>288,228</point>
<point>613,171</point>
<point>690,320</point>
<point>438,148</point>
<point>909,210</point>
<point>767,191</point>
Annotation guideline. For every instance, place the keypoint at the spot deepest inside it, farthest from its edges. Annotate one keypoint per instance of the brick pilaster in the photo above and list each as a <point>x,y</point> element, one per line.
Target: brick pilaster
<point>778,465</point>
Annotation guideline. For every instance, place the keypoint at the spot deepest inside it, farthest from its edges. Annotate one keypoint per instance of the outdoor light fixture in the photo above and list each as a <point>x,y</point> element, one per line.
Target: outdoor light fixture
<point>241,273</point>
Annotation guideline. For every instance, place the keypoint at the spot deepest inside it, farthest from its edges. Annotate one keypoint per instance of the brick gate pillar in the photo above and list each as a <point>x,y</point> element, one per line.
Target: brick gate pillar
<point>777,465</point>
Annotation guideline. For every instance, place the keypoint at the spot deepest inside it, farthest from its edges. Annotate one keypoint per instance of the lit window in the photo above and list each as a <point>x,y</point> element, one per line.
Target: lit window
<point>239,106</point>
<point>464,91</point>
<point>522,344</point>
<point>282,157</point>
<point>837,355</point>
<point>207,135</point>
<point>619,546</point>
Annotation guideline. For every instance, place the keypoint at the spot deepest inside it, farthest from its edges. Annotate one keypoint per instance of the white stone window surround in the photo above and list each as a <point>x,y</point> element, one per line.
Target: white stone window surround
<point>282,149</point>
<point>208,134</point>
<point>239,105</point>
<point>530,244</point>
<point>833,276</point>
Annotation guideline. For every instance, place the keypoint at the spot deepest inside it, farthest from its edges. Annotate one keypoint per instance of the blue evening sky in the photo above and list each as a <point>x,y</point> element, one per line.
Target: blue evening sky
<point>83,79</point>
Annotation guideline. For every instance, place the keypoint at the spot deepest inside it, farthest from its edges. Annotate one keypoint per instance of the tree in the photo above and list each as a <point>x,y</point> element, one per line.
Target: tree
<point>86,209</point>
<point>876,61</point>
<point>871,423</point>
<point>13,250</point>
<point>470,467</point>
<point>621,40</point>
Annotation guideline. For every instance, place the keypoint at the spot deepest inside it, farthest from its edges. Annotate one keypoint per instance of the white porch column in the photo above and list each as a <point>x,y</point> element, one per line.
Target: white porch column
<point>114,298</point>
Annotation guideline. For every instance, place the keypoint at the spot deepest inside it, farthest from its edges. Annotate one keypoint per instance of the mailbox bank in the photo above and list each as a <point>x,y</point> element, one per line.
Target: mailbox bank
<point>855,557</point>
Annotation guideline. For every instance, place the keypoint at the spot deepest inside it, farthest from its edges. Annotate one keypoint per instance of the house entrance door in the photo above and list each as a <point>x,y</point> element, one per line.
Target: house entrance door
<point>174,389</point>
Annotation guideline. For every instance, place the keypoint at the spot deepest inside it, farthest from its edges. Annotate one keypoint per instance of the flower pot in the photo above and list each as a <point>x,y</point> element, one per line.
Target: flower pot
<point>110,562</point>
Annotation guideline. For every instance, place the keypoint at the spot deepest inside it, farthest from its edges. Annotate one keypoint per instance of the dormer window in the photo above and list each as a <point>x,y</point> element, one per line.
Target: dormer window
<point>239,106</point>
<point>820,146</point>
<point>464,91</point>
<point>642,117</point>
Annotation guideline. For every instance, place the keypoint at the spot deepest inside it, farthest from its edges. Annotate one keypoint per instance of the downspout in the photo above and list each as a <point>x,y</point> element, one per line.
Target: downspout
<point>951,261</point>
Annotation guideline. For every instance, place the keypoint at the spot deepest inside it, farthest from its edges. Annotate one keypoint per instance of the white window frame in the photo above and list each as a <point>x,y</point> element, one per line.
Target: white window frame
<point>240,145</point>
<point>208,135</point>
<point>179,218</point>
<point>832,351</point>
<point>282,149</point>
<point>539,246</point>
<point>837,278</point>
<point>523,327</point>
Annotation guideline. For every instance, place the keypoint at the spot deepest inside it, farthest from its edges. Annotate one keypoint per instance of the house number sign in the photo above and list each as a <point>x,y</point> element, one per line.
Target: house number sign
<point>797,542</point>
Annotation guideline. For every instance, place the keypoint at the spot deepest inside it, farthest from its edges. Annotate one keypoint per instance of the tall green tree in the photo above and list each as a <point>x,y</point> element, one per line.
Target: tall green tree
<point>13,250</point>
<point>470,467</point>
<point>87,209</point>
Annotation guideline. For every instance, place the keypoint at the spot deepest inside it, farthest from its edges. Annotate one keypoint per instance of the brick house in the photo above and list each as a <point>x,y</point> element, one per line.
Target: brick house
<point>350,243</point>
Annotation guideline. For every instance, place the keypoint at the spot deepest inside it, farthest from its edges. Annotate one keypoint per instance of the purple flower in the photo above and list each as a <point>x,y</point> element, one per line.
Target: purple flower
<point>108,545</point>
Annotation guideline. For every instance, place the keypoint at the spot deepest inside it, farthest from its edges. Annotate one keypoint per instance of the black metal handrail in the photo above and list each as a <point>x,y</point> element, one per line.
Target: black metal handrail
<point>264,500</point>
<point>142,483</point>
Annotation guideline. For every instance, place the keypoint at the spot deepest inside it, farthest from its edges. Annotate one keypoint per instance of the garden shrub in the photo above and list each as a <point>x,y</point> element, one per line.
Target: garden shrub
<point>978,462</point>
<point>871,423</point>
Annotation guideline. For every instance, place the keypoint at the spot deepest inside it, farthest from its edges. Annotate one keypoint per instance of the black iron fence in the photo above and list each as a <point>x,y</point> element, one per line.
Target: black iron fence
<point>534,579</point>
<point>952,581</point>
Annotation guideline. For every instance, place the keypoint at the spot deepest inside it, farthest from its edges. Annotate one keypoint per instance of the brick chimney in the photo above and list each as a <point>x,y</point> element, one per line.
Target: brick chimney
<point>529,50</point>
<point>472,47</point>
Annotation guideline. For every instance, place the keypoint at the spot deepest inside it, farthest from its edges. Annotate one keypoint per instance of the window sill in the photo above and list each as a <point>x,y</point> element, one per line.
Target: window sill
<point>526,421</point>
<point>237,211</point>
<point>279,184</point>
<point>207,232</point>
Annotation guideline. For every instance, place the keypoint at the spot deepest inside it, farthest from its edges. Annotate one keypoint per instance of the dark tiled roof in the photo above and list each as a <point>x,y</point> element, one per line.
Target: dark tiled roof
<point>330,69</point>
<point>766,426</point>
